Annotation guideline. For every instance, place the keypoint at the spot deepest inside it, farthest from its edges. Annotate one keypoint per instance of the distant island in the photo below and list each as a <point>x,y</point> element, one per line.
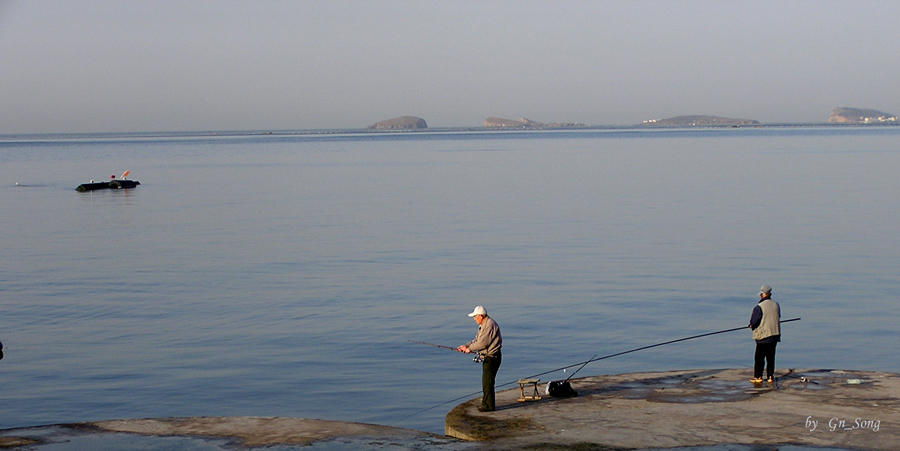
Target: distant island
<point>699,121</point>
<point>839,116</point>
<point>400,123</point>
<point>844,115</point>
<point>498,122</point>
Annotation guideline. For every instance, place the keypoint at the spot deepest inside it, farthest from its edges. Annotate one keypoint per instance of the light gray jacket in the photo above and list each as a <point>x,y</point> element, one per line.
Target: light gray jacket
<point>487,341</point>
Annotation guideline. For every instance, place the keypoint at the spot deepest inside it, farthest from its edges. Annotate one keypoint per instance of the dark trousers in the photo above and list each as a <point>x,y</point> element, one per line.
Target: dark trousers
<point>489,369</point>
<point>764,357</point>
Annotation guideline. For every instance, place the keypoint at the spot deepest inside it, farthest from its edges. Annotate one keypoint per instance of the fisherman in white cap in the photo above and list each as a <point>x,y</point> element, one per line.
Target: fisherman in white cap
<point>487,344</point>
<point>765,322</point>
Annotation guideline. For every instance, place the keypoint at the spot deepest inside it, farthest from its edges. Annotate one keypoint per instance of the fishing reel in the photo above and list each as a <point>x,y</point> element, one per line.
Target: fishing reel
<point>478,358</point>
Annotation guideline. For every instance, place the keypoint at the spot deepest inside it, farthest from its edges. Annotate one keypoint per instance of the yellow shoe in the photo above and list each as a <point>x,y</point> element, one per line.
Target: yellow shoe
<point>770,380</point>
<point>756,380</point>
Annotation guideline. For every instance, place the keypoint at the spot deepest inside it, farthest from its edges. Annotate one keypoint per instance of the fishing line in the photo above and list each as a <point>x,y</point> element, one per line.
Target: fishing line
<point>593,359</point>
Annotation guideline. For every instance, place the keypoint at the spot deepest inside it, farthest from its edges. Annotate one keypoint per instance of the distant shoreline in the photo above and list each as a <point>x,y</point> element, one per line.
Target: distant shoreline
<point>20,137</point>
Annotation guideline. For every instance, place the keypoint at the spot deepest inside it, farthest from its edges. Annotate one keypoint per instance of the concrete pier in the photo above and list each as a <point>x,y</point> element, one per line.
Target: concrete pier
<point>821,408</point>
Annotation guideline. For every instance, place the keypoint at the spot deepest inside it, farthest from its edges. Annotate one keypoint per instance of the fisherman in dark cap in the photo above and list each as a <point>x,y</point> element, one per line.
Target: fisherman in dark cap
<point>487,344</point>
<point>765,322</point>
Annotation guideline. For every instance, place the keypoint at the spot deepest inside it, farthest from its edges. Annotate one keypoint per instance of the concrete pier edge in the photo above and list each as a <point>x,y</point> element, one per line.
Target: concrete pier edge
<point>830,408</point>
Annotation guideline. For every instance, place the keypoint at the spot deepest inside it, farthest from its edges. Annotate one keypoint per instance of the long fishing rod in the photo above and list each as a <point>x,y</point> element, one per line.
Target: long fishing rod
<point>476,359</point>
<point>651,346</point>
<point>432,344</point>
<point>594,359</point>
<point>580,368</point>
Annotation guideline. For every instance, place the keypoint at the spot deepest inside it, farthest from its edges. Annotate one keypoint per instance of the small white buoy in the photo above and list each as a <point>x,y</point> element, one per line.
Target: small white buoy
<point>854,381</point>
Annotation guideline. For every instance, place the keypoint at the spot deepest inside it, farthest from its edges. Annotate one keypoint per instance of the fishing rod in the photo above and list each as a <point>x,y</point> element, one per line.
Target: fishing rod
<point>579,368</point>
<point>476,359</point>
<point>594,359</point>
<point>432,344</point>
<point>651,346</point>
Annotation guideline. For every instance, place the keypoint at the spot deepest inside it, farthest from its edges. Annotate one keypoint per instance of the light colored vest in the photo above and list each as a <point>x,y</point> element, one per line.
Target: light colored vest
<point>771,320</point>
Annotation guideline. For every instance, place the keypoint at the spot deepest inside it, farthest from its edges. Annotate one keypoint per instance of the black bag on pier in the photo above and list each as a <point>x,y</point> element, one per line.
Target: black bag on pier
<point>560,389</point>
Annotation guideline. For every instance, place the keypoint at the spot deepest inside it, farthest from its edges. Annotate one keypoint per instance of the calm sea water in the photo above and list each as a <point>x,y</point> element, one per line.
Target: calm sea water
<point>284,275</point>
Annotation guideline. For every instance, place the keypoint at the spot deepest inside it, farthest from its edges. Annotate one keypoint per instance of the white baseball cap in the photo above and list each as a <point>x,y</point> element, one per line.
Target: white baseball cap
<point>478,311</point>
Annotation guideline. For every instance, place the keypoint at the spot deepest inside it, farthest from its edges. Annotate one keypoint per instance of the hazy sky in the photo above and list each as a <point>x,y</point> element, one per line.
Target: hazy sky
<point>98,66</point>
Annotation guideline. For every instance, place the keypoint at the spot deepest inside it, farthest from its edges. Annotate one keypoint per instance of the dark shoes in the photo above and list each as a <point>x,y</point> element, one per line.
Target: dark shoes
<point>482,409</point>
